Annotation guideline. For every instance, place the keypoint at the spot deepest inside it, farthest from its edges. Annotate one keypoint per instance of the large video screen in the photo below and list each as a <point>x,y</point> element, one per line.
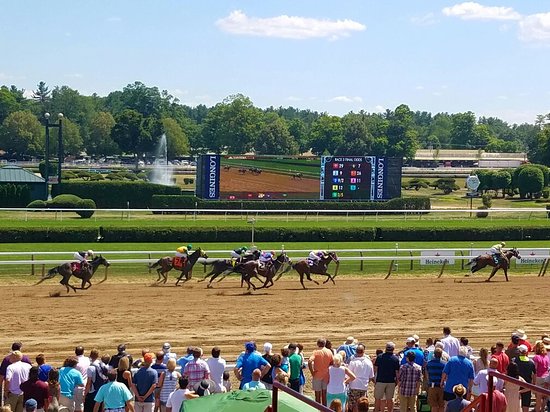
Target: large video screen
<point>244,177</point>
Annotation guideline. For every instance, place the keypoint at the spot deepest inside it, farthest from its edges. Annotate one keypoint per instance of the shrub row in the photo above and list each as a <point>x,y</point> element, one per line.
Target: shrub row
<point>14,195</point>
<point>117,194</point>
<point>192,202</point>
<point>66,202</point>
<point>296,234</point>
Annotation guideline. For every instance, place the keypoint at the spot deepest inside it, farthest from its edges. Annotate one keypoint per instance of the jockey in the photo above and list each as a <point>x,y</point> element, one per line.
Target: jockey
<point>83,256</point>
<point>183,251</point>
<point>496,251</point>
<point>315,256</point>
<point>266,258</point>
<point>238,254</point>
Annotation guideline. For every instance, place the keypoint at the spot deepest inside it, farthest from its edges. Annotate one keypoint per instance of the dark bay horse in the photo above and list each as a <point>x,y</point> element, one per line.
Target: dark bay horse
<point>225,267</point>
<point>252,269</point>
<point>487,260</point>
<point>320,268</point>
<point>166,264</point>
<point>85,273</point>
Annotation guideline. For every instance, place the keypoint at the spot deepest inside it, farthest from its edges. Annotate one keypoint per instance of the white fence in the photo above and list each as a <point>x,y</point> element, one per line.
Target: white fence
<point>426,257</point>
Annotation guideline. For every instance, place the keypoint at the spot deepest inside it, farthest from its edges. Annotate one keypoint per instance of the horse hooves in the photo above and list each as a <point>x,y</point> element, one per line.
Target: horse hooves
<point>487,280</point>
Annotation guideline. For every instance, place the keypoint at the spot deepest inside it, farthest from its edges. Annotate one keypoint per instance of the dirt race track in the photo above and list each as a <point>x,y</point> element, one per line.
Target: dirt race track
<point>233,181</point>
<point>372,310</point>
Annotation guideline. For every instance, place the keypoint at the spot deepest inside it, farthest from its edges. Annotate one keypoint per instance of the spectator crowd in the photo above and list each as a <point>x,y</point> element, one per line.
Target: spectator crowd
<point>444,375</point>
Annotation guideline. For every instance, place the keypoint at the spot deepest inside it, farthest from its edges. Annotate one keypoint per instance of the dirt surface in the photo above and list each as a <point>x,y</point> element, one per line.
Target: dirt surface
<point>372,310</point>
<point>233,182</point>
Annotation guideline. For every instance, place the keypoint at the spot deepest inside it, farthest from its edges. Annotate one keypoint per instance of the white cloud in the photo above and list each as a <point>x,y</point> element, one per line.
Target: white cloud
<point>378,108</point>
<point>474,11</point>
<point>10,77</point>
<point>535,28</point>
<point>287,27</point>
<point>75,75</point>
<point>346,99</point>
<point>419,87</point>
<point>425,20</point>
<point>294,98</point>
<point>502,97</point>
<point>113,19</point>
<point>179,92</point>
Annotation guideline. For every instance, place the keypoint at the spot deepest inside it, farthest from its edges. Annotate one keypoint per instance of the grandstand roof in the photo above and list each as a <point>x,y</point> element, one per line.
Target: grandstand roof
<point>16,174</point>
<point>454,154</point>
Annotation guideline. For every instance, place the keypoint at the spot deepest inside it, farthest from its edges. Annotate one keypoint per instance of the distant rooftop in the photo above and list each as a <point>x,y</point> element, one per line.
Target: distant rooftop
<point>454,154</point>
<point>16,174</point>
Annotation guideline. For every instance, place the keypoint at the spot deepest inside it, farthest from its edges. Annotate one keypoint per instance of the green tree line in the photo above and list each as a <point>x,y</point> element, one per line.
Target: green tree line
<point>131,121</point>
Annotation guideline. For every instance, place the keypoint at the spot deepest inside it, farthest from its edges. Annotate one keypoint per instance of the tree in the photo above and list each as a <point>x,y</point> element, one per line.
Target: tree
<point>22,134</point>
<point>462,129</point>
<point>402,138</point>
<point>530,181</point>
<point>326,134</point>
<point>274,137</point>
<point>42,96</point>
<point>480,137</point>
<point>298,130</point>
<point>176,140</point>
<point>356,136</point>
<point>72,142</point>
<point>100,142</point>
<point>135,134</point>
<point>446,184</point>
<point>8,103</point>
<point>232,125</point>
<point>501,181</point>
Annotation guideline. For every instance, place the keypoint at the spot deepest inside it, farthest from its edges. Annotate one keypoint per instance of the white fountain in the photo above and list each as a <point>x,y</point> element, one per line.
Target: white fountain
<point>162,170</point>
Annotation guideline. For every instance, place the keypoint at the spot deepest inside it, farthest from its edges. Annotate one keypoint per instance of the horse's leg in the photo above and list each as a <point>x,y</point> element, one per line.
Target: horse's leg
<point>302,279</point>
<point>492,273</point>
<point>505,268</point>
<point>329,277</point>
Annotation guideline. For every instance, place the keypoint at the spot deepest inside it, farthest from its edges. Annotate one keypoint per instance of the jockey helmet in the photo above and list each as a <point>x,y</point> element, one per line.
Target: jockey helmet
<point>244,248</point>
<point>503,243</point>
<point>272,253</point>
<point>90,252</point>
<point>189,246</point>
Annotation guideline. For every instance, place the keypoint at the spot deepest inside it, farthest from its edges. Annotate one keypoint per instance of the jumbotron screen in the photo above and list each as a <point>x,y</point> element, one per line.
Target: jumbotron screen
<point>248,177</point>
<point>360,178</point>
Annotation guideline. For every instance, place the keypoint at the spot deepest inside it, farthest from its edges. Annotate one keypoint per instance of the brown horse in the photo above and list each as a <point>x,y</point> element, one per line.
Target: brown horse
<point>223,267</point>
<point>253,269</point>
<point>487,260</point>
<point>320,268</point>
<point>85,274</point>
<point>166,264</point>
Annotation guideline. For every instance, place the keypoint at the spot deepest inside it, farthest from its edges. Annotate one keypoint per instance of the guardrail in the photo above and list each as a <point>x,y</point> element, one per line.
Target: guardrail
<point>441,260</point>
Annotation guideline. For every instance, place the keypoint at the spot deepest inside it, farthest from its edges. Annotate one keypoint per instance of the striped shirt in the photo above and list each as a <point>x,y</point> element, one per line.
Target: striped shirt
<point>169,385</point>
<point>434,369</point>
<point>196,370</point>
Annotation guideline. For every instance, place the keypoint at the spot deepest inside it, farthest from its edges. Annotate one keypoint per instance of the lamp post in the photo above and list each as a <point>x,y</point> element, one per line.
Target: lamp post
<point>60,156</point>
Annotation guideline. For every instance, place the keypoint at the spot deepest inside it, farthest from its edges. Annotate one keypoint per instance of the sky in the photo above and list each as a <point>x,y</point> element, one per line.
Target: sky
<point>491,58</point>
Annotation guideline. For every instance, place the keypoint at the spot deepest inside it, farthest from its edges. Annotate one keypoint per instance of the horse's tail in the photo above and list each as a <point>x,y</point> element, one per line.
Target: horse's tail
<point>53,271</point>
<point>154,265</point>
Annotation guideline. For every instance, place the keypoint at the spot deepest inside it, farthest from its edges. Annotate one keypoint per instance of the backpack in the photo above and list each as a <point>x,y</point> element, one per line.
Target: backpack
<point>100,377</point>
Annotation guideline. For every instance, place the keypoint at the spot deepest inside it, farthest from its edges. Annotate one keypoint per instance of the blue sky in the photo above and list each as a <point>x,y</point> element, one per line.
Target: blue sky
<point>333,56</point>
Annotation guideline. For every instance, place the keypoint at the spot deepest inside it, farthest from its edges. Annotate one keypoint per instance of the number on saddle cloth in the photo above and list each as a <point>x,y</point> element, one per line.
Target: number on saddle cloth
<point>76,267</point>
<point>178,262</point>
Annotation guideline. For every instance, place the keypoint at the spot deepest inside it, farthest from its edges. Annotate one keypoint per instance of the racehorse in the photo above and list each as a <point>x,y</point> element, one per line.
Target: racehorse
<point>298,175</point>
<point>225,267</point>
<point>252,269</point>
<point>255,170</point>
<point>166,264</point>
<point>85,273</point>
<point>319,268</point>
<point>227,167</point>
<point>242,170</point>
<point>487,260</point>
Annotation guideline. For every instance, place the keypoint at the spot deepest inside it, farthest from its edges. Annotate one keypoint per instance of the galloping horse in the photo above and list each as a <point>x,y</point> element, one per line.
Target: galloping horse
<point>320,268</point>
<point>487,260</point>
<point>225,267</point>
<point>85,274</point>
<point>252,269</point>
<point>166,264</point>
<point>297,175</point>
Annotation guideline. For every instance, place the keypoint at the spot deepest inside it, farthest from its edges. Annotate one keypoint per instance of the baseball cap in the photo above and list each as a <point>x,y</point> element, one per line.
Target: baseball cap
<point>148,357</point>
<point>523,349</point>
<point>121,347</point>
<point>267,347</point>
<point>31,404</point>
<point>410,339</point>
<point>166,346</point>
<point>250,346</point>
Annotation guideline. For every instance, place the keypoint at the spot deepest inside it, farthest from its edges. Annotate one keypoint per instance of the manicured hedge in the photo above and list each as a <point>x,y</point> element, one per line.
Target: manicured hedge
<point>12,195</point>
<point>117,194</point>
<point>296,234</point>
<point>192,202</point>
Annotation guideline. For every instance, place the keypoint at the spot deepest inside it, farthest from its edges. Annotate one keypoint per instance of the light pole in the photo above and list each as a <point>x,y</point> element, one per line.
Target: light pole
<point>60,156</point>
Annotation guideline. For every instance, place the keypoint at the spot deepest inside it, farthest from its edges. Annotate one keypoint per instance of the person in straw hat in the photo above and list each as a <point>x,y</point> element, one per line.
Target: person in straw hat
<point>459,403</point>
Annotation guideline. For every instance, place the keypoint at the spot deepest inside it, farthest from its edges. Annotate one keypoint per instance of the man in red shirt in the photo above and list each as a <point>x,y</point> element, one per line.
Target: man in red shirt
<point>35,389</point>
<point>503,359</point>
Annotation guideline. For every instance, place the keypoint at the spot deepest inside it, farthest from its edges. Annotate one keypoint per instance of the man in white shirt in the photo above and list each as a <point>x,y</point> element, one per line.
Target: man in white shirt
<point>82,366</point>
<point>16,373</point>
<point>217,367</point>
<point>361,366</point>
<point>451,345</point>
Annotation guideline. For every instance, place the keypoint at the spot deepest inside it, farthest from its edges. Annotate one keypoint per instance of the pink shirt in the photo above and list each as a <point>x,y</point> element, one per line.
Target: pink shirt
<point>541,362</point>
